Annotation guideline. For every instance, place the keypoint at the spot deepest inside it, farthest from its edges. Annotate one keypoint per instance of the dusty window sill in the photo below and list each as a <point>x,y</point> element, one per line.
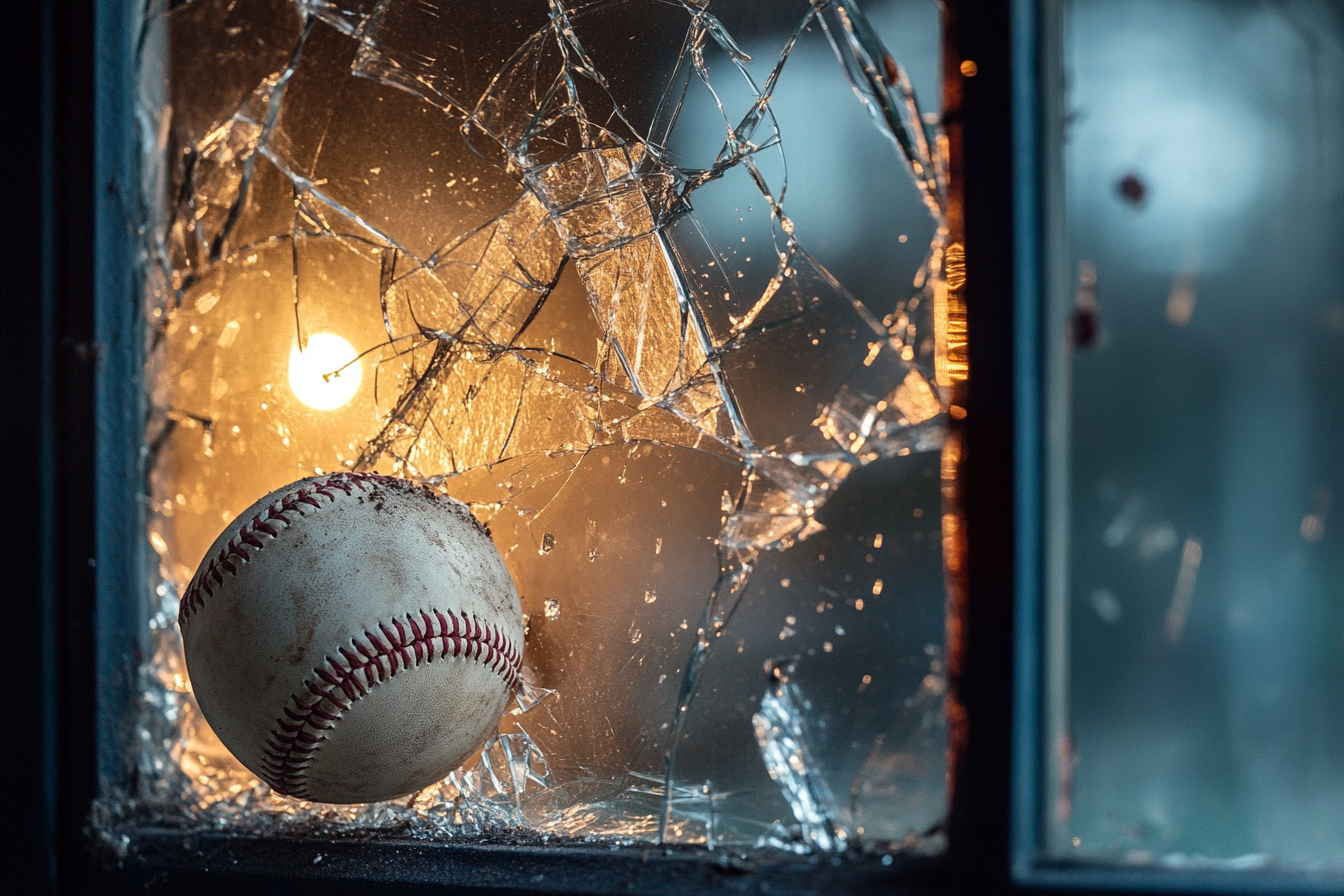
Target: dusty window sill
<point>148,859</point>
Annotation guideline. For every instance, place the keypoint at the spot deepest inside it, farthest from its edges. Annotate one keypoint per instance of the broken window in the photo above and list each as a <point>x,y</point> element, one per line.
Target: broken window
<point>658,289</point>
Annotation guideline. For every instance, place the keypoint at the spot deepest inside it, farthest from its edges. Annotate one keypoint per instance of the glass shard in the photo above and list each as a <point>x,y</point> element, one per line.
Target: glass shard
<point>781,733</point>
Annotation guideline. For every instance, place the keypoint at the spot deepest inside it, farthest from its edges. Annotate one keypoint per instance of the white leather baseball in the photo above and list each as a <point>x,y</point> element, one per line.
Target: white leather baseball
<point>352,637</point>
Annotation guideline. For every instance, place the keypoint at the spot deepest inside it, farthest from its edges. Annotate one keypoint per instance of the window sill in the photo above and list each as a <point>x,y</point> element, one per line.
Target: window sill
<point>148,859</point>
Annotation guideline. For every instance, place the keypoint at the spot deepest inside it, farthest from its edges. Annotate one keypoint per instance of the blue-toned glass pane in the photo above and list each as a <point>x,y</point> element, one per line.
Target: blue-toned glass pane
<point>1199,711</point>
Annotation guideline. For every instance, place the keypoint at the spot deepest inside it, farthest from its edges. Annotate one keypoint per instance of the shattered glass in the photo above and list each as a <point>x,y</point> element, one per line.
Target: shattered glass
<point>1197,651</point>
<point>548,259</point>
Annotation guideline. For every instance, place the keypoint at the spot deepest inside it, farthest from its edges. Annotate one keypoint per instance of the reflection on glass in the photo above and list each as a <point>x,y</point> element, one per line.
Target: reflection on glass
<point>546,258</point>
<point>1201,722</point>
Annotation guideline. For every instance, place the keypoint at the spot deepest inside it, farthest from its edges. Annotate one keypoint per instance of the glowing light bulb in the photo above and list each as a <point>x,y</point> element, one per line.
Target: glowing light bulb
<point>325,374</point>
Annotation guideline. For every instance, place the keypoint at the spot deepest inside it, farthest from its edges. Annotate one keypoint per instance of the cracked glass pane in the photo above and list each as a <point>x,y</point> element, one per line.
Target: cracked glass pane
<point>654,288</point>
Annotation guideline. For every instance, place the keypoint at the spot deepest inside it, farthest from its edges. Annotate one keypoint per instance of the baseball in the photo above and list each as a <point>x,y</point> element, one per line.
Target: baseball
<point>352,637</point>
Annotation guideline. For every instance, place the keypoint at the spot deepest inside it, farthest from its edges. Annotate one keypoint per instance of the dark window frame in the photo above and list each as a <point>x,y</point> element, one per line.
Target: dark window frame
<point>73,364</point>
<point>77,62</point>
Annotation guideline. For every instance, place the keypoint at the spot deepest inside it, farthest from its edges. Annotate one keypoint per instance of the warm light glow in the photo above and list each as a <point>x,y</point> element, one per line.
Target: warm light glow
<point>325,374</point>
<point>951,361</point>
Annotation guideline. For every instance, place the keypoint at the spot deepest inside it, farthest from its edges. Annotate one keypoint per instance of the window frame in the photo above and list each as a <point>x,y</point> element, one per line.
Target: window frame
<point>90,410</point>
<point>1043,303</point>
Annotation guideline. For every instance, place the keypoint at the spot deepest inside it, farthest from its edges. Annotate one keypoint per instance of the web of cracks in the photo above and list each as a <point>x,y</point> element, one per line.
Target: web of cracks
<point>600,196</point>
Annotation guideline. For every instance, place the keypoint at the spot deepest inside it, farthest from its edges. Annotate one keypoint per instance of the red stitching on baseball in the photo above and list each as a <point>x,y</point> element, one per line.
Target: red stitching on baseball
<point>335,686</point>
<point>201,586</point>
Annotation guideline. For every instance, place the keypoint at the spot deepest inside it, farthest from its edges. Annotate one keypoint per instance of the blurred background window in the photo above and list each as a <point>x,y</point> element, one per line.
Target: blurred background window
<point>1196,705</point>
